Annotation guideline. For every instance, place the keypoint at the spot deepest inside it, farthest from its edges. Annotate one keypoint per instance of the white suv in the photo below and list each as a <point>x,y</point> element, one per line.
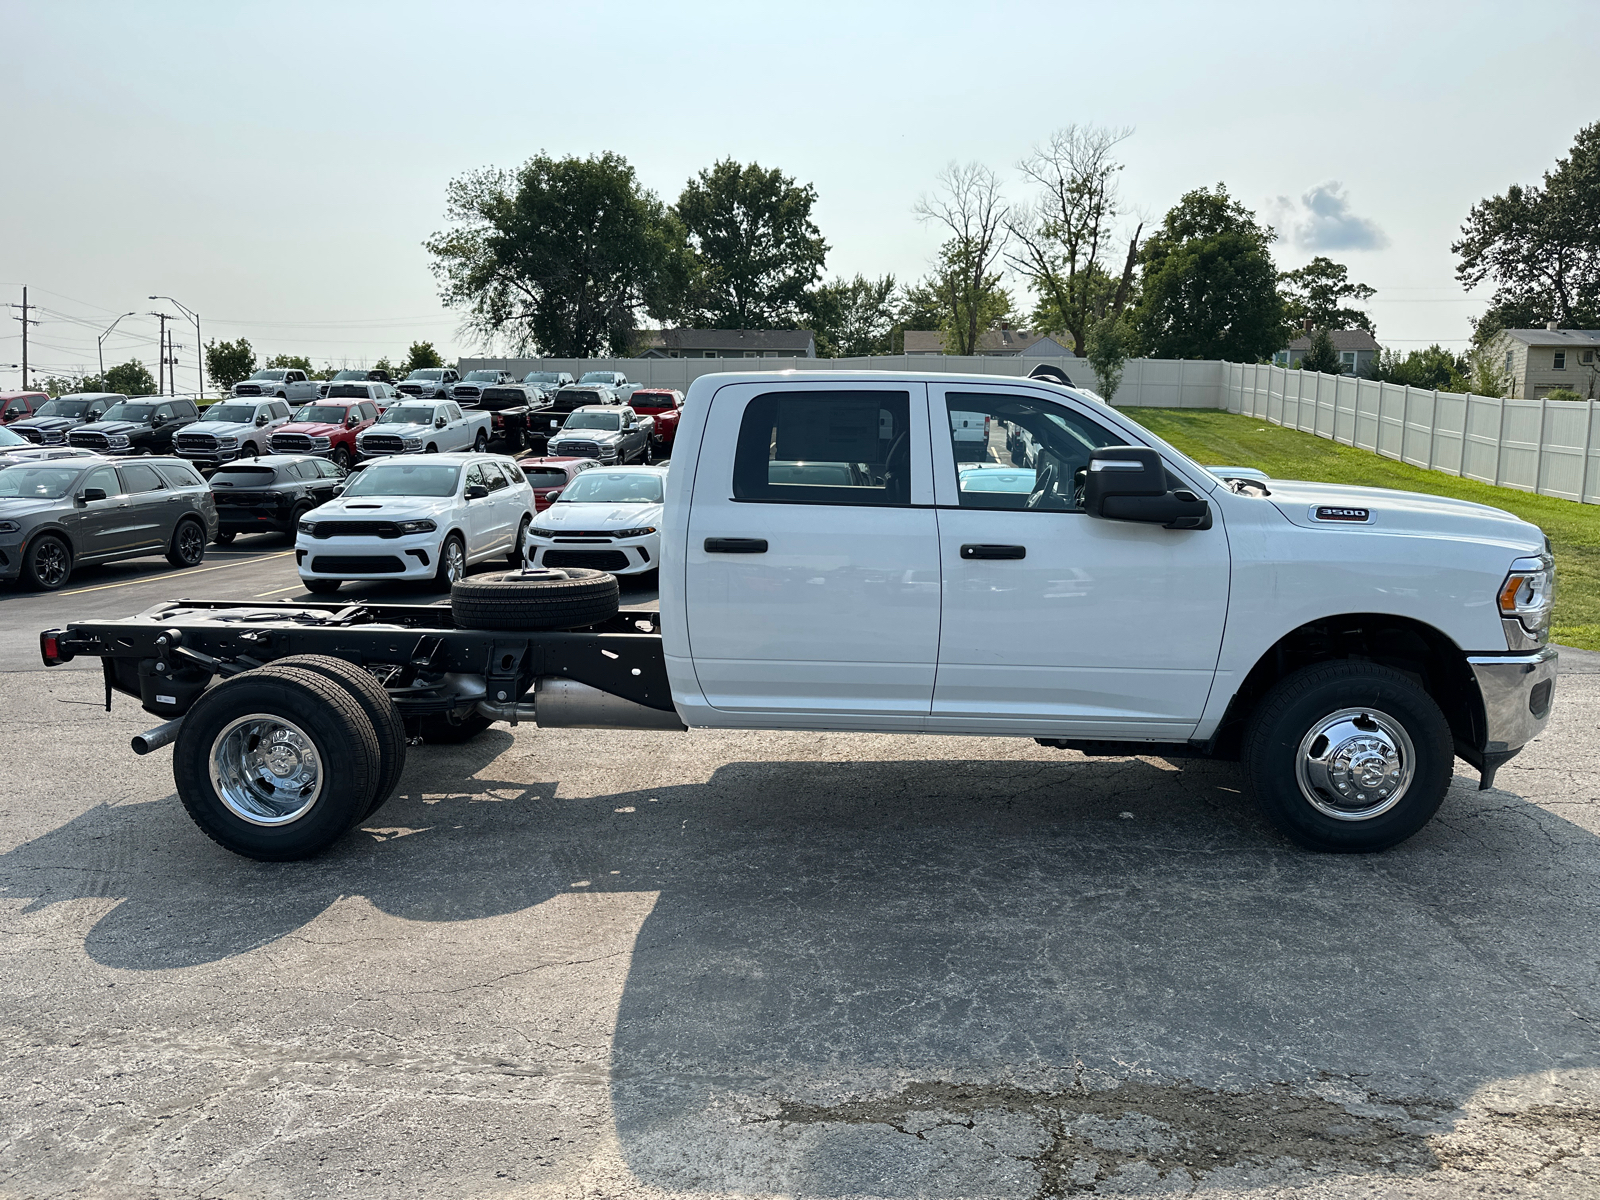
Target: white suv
<point>417,517</point>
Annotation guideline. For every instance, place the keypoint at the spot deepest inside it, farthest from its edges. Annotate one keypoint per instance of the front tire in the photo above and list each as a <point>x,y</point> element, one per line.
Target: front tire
<point>47,565</point>
<point>341,458</point>
<point>452,562</point>
<point>188,548</point>
<point>321,587</point>
<point>1349,757</point>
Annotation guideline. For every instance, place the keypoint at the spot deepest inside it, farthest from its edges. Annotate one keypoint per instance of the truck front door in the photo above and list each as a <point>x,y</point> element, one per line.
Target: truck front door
<point>1055,622</point>
<point>812,569</point>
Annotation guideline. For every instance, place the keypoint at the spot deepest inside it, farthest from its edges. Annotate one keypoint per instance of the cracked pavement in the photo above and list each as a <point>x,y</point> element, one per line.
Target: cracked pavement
<point>588,964</point>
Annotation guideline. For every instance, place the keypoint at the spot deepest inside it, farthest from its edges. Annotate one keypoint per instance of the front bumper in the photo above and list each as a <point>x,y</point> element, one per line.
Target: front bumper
<point>415,557</point>
<point>631,557</point>
<point>1518,692</point>
<point>11,549</point>
<point>208,458</point>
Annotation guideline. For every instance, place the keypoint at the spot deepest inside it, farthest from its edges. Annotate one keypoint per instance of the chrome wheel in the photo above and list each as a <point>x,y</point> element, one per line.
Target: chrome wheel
<point>191,542</point>
<point>266,770</point>
<point>455,561</point>
<point>1355,764</point>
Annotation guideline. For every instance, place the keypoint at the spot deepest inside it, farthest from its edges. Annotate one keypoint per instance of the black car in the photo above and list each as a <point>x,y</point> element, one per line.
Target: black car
<point>142,425</point>
<point>509,406</point>
<point>54,419</point>
<point>563,402</point>
<point>271,493</point>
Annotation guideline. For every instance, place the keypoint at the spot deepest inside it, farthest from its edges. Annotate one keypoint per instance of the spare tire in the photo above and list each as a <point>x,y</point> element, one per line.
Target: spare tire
<point>543,598</point>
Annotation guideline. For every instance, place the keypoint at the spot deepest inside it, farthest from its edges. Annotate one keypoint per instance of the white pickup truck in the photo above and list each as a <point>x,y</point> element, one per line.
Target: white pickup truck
<point>837,554</point>
<point>424,427</point>
<point>284,383</point>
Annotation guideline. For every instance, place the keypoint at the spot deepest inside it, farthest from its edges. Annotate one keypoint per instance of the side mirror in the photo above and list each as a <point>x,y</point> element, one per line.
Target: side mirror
<point>439,422</point>
<point>552,497</point>
<point>1129,483</point>
<point>338,488</point>
<point>351,422</point>
<point>261,420</point>
<point>92,494</point>
<point>476,491</point>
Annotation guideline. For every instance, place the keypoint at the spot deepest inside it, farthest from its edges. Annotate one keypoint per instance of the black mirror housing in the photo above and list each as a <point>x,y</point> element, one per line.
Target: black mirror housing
<point>93,494</point>
<point>1129,483</point>
<point>476,491</point>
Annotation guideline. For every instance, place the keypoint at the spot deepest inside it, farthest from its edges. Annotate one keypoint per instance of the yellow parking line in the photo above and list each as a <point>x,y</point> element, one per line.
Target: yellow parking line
<point>162,578</point>
<point>299,587</point>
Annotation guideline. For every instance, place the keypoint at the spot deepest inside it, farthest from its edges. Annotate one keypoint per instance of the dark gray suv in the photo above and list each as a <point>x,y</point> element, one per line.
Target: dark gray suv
<point>61,514</point>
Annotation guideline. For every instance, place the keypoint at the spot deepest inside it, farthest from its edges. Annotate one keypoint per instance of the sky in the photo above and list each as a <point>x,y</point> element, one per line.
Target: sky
<point>276,166</point>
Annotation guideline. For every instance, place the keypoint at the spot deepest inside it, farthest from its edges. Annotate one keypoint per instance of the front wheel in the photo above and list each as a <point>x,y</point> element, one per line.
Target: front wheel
<point>1349,757</point>
<point>452,562</point>
<point>341,457</point>
<point>321,587</point>
<point>47,565</point>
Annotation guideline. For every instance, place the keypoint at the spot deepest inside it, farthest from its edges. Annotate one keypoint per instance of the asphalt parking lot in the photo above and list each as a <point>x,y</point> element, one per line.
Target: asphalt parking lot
<point>597,964</point>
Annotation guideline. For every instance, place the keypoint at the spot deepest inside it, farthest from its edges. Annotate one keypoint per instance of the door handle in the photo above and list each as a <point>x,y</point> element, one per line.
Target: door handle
<point>736,545</point>
<point>981,550</point>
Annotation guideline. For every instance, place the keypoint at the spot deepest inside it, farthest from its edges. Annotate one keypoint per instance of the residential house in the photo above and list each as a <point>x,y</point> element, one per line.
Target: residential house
<point>1003,342</point>
<point>1534,362</point>
<point>1357,349</point>
<point>724,343</point>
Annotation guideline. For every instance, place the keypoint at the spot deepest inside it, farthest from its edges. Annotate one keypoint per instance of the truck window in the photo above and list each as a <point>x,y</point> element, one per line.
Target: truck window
<point>825,448</point>
<point>1019,452</point>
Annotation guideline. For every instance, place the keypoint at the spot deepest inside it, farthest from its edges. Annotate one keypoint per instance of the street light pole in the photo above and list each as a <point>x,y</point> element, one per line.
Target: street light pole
<point>199,354</point>
<point>102,341</point>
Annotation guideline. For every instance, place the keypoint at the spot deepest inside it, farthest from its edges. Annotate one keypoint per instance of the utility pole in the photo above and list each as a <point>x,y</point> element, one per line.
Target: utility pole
<point>161,346</point>
<point>199,347</point>
<point>26,321</point>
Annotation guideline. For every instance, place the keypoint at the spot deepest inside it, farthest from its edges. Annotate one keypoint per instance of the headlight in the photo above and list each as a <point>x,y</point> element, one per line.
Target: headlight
<point>117,439</point>
<point>9,527</point>
<point>227,443</point>
<point>411,443</point>
<point>307,527</point>
<point>321,443</point>
<point>633,533</point>
<point>422,526</point>
<point>537,532</point>
<point>1528,595</point>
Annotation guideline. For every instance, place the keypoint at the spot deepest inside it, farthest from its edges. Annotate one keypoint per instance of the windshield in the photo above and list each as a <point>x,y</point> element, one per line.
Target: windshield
<point>37,483</point>
<point>433,373</point>
<point>401,479</point>
<point>274,374</point>
<point>613,487</point>
<point>585,420</point>
<point>599,377</point>
<point>541,377</point>
<point>402,414</point>
<point>482,376</point>
<point>542,477</point>
<point>63,408</point>
<point>7,438</point>
<point>229,412</point>
<point>322,414</point>
<point>131,412</point>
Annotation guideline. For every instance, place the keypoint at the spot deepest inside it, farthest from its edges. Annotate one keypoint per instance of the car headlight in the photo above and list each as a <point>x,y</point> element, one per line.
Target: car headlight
<point>411,443</point>
<point>9,527</point>
<point>1528,595</point>
<point>633,533</point>
<point>536,531</point>
<point>227,443</point>
<point>321,443</point>
<point>117,439</point>
<point>422,526</point>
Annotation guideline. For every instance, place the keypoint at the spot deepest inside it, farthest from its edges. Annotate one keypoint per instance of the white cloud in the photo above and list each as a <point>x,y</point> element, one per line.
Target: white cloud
<point>1321,220</point>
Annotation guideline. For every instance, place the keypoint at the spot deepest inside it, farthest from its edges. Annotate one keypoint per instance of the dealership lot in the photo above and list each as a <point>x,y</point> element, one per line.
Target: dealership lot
<point>585,963</point>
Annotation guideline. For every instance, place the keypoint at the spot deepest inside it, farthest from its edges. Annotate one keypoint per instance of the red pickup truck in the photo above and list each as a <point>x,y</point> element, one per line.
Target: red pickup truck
<point>328,428</point>
<point>666,406</point>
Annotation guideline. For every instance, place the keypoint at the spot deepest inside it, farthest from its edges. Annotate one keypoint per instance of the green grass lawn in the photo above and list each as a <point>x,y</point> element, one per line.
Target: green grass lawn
<point>1223,439</point>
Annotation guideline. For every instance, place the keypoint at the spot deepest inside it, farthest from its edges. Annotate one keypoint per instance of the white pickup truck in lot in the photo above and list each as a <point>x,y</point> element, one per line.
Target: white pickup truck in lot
<point>834,557</point>
<point>424,427</point>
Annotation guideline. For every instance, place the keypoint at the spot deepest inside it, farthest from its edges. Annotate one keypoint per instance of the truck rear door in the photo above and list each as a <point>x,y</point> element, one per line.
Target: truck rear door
<point>812,569</point>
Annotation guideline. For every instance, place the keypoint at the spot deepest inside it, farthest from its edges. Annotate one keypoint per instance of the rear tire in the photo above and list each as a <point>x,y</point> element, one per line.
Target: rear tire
<point>515,557</point>
<point>188,546</point>
<point>565,598</point>
<point>481,442</point>
<point>1349,757</point>
<point>380,710</point>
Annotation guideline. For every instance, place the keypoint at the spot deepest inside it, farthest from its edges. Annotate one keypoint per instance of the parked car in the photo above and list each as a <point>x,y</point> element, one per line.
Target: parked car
<point>664,406</point>
<point>53,419</point>
<point>606,433</point>
<point>143,425</point>
<point>619,384</point>
<point>14,450</point>
<point>547,382</point>
<point>229,429</point>
<point>428,383</point>
<point>57,516</point>
<point>471,387</point>
<point>353,375</point>
<point>271,494</point>
<point>329,428</point>
<point>288,384</point>
<point>19,406</point>
<point>425,517</point>
<point>548,476</point>
<point>608,519</point>
<point>424,428</point>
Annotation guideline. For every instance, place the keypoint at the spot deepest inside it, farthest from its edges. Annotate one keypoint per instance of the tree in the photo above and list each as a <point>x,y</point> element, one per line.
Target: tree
<point>131,378</point>
<point>291,362</point>
<point>420,357</point>
<point>229,362</point>
<point>1312,294</point>
<point>1562,394</point>
<point>1487,377</point>
<point>1061,240</point>
<point>1322,356</point>
<point>1540,246</point>
<point>920,307</point>
<point>383,364</point>
<point>1433,368</point>
<point>1108,353</point>
<point>852,319</point>
<point>65,385</point>
<point>756,251</point>
<point>1209,287</point>
<point>968,203</point>
<point>559,256</point>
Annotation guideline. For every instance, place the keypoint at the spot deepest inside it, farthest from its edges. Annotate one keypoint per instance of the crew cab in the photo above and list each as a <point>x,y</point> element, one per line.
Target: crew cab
<point>19,406</point>
<point>423,518</point>
<point>620,386</point>
<point>611,434</point>
<point>354,375</point>
<point>331,426</point>
<point>228,430</point>
<point>664,407</point>
<point>547,382</point>
<point>141,425</point>
<point>54,419</point>
<point>466,392</point>
<point>828,564</point>
<point>549,476</point>
<point>424,428</point>
<point>563,402</point>
<point>428,383</point>
<point>271,494</point>
<point>288,384</point>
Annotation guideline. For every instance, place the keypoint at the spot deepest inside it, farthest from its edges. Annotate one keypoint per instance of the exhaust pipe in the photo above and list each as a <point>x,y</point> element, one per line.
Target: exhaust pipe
<point>561,703</point>
<point>154,739</point>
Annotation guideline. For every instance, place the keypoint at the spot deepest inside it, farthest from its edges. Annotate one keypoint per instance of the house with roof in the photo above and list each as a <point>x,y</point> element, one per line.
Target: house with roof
<point>724,343</point>
<point>1002,342</point>
<point>1535,362</point>
<point>1357,350</point>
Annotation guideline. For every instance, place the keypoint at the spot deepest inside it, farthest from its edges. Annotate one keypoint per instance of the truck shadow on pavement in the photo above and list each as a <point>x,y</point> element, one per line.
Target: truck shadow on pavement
<point>954,977</point>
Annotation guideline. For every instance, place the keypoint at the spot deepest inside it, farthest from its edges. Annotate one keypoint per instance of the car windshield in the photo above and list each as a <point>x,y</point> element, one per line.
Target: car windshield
<point>63,408</point>
<point>543,477</point>
<point>37,483</point>
<point>613,487</point>
<point>433,373</point>
<point>583,420</point>
<point>273,375</point>
<point>402,479</point>
<point>244,476</point>
<point>598,377</point>
<point>482,376</point>
<point>322,414</point>
<point>7,438</point>
<point>130,412</point>
<point>541,377</point>
<point>403,414</point>
<point>229,412</point>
